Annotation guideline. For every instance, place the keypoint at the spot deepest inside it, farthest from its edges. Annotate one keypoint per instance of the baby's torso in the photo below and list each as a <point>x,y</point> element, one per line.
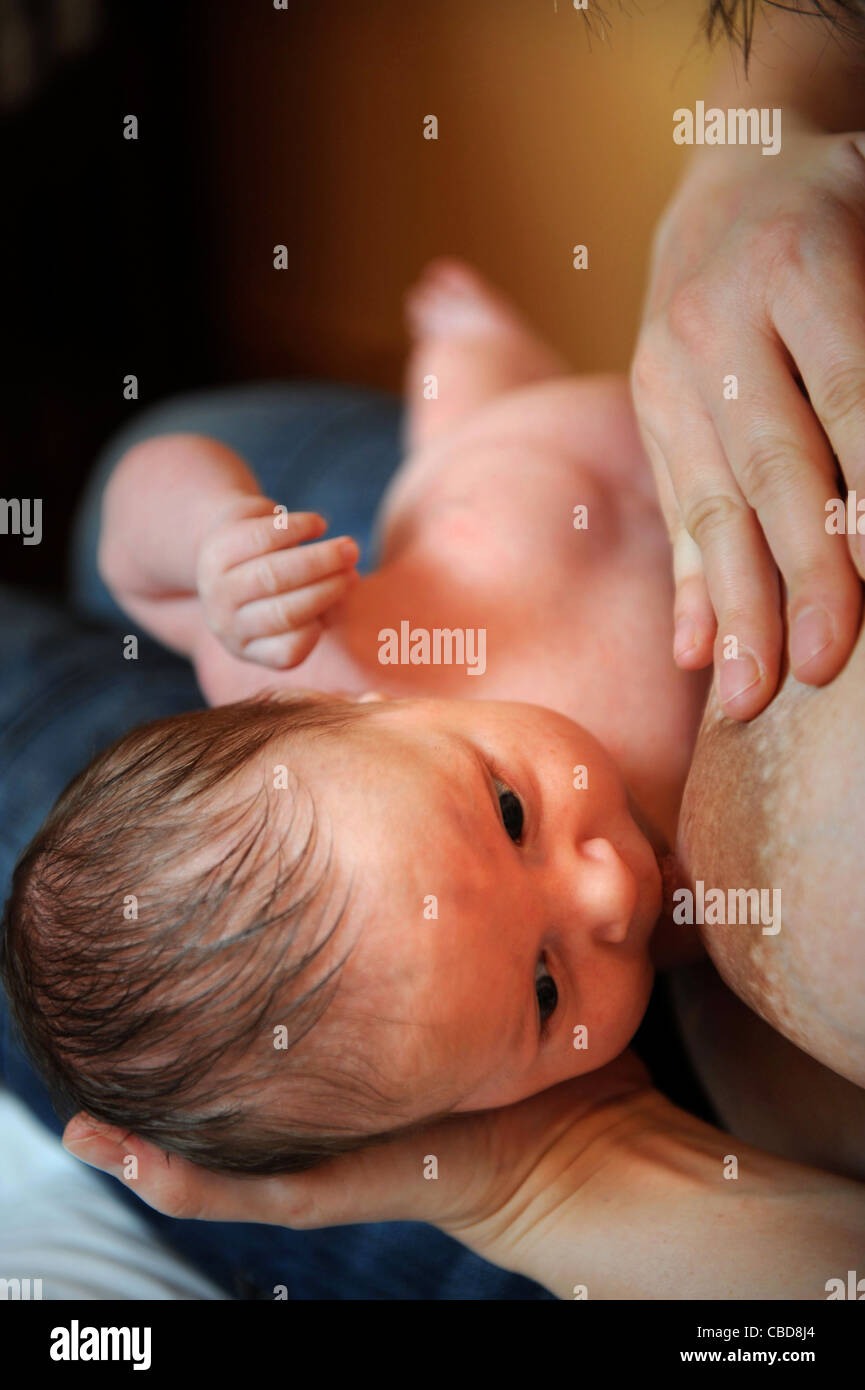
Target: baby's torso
<point>524,558</point>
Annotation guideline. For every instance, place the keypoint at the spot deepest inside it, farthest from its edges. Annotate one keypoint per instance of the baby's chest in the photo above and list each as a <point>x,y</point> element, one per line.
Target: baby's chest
<point>520,522</point>
<point>545,542</point>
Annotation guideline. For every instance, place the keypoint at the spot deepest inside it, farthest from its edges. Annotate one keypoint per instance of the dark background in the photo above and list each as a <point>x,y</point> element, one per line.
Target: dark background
<point>303,127</point>
<point>104,256</point>
<point>258,127</point>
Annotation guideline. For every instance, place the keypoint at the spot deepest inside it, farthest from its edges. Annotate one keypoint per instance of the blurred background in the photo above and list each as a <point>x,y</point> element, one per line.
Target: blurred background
<point>304,126</point>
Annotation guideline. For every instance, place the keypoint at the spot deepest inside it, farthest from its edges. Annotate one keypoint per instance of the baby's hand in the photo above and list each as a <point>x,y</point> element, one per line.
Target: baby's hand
<point>261,592</point>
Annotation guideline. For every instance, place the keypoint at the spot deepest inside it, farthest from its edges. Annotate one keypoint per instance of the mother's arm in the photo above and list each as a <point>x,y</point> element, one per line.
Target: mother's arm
<point>599,1185</point>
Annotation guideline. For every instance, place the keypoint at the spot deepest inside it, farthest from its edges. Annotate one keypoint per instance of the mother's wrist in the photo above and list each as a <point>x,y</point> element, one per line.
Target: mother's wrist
<point>665,1206</point>
<point>560,1219</point>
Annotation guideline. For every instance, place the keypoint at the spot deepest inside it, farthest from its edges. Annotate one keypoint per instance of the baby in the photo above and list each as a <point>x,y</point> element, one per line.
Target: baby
<point>387,876</point>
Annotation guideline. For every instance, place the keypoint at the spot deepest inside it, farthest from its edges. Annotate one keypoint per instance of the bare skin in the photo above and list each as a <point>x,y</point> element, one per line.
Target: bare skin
<point>560,1166</point>
<point>478,531</point>
<point>478,534</point>
<point>778,803</point>
<point>765,1090</point>
<point>758,269</point>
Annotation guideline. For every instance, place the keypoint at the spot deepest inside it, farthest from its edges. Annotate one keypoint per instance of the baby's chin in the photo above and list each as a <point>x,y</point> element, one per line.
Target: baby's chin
<point>620,1035</point>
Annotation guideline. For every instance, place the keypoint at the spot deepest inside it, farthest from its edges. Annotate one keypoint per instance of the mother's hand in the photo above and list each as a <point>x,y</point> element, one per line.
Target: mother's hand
<point>496,1176</point>
<point>599,1187</point>
<point>758,283</point>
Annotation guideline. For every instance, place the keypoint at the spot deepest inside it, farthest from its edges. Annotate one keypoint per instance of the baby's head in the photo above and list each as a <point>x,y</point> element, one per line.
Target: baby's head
<point>266,933</point>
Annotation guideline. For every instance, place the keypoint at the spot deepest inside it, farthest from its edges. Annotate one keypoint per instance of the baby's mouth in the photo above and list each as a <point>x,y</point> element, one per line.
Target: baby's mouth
<point>672,877</point>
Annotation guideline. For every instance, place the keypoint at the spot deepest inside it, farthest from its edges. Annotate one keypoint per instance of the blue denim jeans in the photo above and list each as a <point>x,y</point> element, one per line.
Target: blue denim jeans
<point>66,692</point>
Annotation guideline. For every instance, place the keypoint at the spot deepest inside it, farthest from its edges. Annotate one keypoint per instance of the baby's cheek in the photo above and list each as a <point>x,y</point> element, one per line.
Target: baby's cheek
<point>613,1010</point>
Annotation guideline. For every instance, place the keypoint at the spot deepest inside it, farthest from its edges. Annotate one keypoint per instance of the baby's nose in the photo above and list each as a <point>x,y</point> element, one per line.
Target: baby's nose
<point>608,890</point>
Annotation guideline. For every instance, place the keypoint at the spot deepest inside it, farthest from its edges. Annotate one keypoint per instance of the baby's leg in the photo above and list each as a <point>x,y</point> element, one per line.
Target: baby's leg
<point>469,346</point>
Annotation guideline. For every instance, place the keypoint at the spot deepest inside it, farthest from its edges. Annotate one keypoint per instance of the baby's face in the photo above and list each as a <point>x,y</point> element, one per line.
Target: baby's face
<point>502,914</point>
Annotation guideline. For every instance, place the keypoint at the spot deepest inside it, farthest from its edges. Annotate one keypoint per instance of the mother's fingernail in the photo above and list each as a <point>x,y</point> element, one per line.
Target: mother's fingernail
<point>94,1151</point>
<point>812,631</point>
<point>737,674</point>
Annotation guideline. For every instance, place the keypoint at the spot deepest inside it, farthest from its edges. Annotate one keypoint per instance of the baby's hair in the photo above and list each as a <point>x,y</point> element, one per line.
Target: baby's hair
<point>735,18</point>
<point>141,985</point>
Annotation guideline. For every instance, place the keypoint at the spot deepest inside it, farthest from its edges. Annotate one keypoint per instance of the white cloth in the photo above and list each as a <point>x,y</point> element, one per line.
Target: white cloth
<point>61,1223</point>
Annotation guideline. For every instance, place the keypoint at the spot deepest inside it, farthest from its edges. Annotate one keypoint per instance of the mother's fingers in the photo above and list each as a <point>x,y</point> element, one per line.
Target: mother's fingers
<point>693,616</point>
<point>738,573</point>
<point>784,468</point>
<point>743,585</point>
<point>169,1184</point>
<point>384,1182</point>
<point>823,326</point>
<point>463,1173</point>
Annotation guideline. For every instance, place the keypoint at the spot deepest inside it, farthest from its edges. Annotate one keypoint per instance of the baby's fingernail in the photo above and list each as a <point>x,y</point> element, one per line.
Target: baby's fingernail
<point>738,674</point>
<point>348,549</point>
<point>813,630</point>
<point>685,638</point>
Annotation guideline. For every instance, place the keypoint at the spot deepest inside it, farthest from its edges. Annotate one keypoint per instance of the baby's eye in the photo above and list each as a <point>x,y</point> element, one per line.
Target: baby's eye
<point>511,809</point>
<point>545,989</point>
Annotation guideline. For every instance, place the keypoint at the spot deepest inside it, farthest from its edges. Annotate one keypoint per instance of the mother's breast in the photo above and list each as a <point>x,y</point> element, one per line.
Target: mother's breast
<point>779,805</point>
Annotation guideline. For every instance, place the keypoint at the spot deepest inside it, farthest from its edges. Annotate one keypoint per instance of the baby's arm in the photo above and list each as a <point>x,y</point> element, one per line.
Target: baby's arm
<point>193,551</point>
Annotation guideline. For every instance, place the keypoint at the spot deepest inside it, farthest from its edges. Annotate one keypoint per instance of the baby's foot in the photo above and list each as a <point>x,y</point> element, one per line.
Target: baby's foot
<point>450,297</point>
<point>472,341</point>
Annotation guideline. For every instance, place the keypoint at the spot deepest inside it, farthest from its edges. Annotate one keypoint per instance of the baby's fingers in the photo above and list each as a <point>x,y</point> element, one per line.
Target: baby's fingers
<point>242,538</point>
<point>285,570</point>
<point>288,612</point>
<point>284,651</point>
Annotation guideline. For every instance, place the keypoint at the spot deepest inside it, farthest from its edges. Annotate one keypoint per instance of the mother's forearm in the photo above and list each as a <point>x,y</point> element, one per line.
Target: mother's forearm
<point>677,1209</point>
